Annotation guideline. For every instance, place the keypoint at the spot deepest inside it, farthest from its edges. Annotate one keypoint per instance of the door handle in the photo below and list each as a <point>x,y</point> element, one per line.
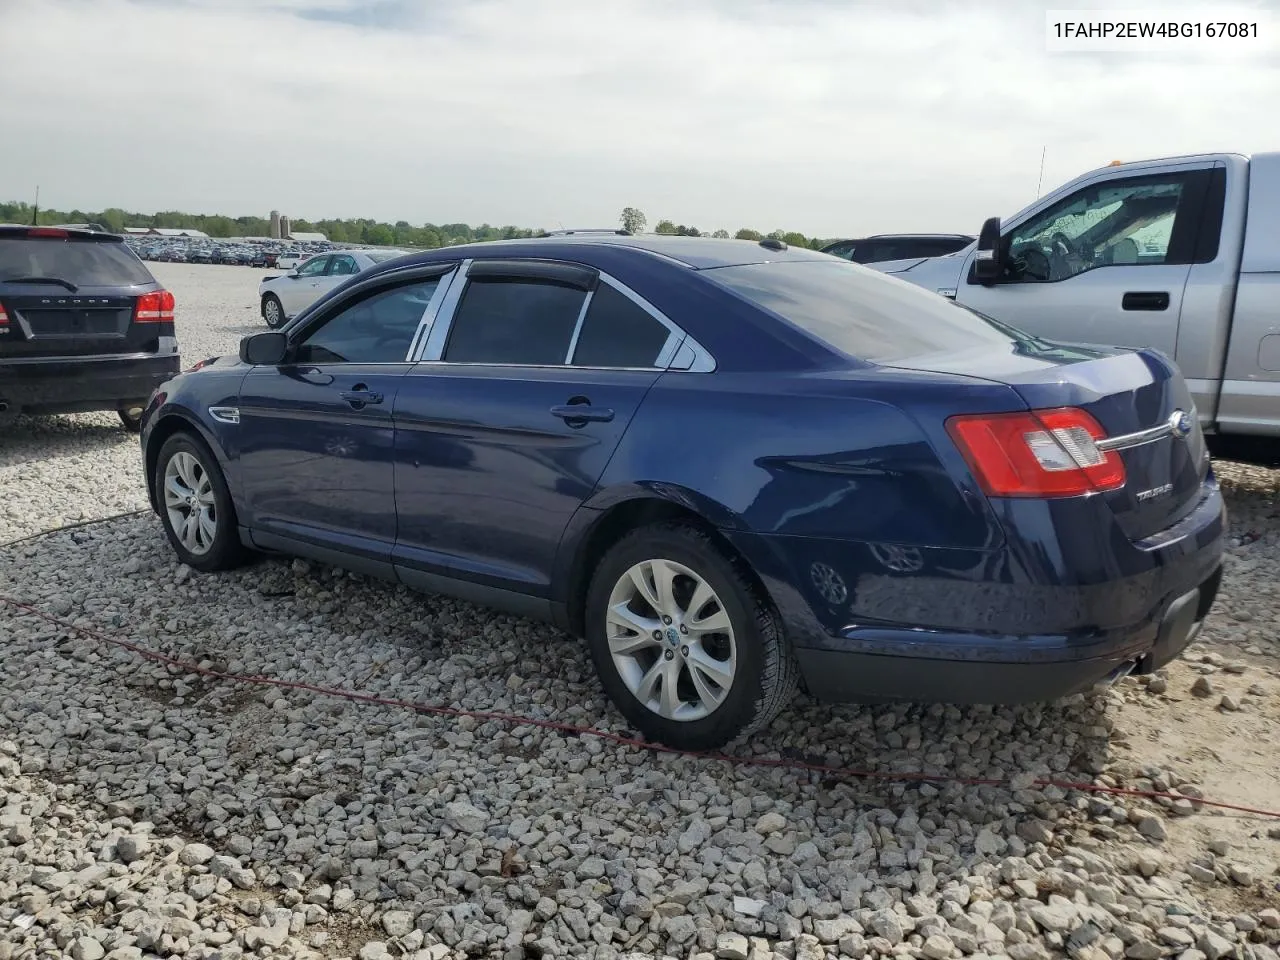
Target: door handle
<point>1145,300</point>
<point>579,414</point>
<point>359,395</point>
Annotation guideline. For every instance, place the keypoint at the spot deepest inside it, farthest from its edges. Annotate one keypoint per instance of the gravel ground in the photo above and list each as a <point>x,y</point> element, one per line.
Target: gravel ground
<point>146,811</point>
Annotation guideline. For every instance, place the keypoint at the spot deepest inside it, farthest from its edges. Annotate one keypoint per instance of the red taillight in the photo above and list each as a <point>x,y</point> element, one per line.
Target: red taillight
<point>4,317</point>
<point>47,232</point>
<point>1043,453</point>
<point>154,308</point>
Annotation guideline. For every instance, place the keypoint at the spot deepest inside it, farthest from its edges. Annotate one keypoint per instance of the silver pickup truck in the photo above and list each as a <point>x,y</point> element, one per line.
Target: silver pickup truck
<point>1180,254</point>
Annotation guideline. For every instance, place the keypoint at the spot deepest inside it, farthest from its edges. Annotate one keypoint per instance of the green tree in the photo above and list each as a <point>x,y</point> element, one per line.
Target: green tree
<point>721,234</point>
<point>745,234</point>
<point>633,220</point>
<point>665,227</point>
<point>379,234</point>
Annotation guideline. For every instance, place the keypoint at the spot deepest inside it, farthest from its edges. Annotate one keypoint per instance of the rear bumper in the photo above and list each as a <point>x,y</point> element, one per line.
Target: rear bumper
<point>82,384</point>
<point>872,622</point>
<point>1058,670</point>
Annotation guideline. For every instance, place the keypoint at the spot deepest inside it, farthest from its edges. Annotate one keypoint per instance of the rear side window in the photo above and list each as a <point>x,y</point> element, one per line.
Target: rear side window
<point>526,322</point>
<point>618,332</point>
<point>85,263</point>
<point>863,314</point>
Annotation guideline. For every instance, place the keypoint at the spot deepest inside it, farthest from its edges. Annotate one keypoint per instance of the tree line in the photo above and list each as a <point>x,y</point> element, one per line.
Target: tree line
<point>374,232</point>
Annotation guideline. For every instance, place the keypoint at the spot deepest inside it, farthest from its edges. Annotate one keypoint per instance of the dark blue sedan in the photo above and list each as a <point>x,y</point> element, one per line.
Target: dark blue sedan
<point>730,467</point>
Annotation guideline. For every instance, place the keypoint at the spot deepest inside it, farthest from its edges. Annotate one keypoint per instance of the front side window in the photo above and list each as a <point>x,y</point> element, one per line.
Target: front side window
<point>378,329</point>
<point>1117,222</point>
<point>618,332</point>
<point>844,251</point>
<point>343,266</point>
<point>313,268</point>
<point>522,321</point>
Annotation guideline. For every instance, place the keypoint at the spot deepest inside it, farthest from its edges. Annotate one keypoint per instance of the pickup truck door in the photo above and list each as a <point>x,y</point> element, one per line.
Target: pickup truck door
<point>1105,263</point>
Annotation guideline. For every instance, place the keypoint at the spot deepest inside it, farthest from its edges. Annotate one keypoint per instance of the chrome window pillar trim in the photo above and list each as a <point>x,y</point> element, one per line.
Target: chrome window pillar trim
<point>577,327</point>
<point>429,314</point>
<point>433,343</point>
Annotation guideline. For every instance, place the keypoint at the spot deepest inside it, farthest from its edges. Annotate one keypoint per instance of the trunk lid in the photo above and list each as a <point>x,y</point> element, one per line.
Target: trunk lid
<point>1138,397</point>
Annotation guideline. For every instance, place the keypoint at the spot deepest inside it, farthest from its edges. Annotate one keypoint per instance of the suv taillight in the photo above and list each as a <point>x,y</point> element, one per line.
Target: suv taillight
<point>1042,453</point>
<point>154,307</point>
<point>4,317</point>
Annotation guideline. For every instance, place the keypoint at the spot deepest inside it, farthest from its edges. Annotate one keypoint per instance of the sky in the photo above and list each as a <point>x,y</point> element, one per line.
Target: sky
<point>831,117</point>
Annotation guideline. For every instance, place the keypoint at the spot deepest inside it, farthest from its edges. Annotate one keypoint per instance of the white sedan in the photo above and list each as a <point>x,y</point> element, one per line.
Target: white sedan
<point>286,295</point>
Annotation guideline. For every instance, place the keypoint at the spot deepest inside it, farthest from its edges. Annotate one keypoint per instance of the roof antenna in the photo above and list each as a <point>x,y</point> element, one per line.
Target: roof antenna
<point>1040,182</point>
<point>35,213</point>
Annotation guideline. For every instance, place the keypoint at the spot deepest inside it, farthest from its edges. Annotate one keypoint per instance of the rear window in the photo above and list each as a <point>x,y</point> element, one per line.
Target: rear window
<point>86,263</point>
<point>859,312</point>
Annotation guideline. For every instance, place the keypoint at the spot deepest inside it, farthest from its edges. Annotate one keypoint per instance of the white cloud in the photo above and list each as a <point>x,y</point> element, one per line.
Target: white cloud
<point>825,116</point>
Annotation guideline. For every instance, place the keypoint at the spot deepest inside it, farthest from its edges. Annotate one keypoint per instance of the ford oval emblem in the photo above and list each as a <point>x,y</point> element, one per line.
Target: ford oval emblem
<point>1180,423</point>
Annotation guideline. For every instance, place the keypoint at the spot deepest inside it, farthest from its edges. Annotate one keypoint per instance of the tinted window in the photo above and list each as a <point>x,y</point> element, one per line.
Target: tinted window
<point>378,329</point>
<point>866,315</point>
<point>343,266</point>
<point>522,321</point>
<point>380,256</point>
<point>86,263</point>
<point>313,267</point>
<point>843,250</point>
<point>618,332</point>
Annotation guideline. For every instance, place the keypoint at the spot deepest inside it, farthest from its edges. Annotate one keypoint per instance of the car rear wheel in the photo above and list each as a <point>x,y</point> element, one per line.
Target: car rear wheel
<point>131,416</point>
<point>195,505</point>
<point>272,311</point>
<point>684,644</point>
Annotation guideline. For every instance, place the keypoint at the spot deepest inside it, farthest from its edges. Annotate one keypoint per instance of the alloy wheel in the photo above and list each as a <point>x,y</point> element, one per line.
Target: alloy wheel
<point>189,502</point>
<point>671,640</point>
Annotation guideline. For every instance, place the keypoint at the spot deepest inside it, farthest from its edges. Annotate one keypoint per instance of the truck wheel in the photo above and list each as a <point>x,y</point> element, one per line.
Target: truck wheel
<point>684,645</point>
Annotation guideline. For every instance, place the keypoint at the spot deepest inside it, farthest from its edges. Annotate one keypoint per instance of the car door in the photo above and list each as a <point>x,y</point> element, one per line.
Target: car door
<point>316,434</point>
<point>298,290</point>
<point>1108,263</point>
<point>504,429</point>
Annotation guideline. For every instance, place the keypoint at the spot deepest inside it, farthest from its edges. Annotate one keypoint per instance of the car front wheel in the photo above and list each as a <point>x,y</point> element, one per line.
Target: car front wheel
<point>272,311</point>
<point>195,505</point>
<point>684,644</point>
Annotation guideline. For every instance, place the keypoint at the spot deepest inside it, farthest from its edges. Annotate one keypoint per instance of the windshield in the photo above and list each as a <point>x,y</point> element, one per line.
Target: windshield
<point>84,263</point>
<point>862,313</point>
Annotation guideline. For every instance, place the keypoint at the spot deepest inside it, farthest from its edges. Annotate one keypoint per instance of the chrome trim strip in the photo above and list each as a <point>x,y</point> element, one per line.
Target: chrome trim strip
<point>433,343</point>
<point>429,314</point>
<point>1135,439</point>
<point>577,327</point>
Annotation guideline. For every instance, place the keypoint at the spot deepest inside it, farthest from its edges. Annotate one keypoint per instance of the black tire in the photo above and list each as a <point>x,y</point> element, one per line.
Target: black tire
<point>225,551</point>
<point>272,315</point>
<point>766,675</point>
<point>131,421</point>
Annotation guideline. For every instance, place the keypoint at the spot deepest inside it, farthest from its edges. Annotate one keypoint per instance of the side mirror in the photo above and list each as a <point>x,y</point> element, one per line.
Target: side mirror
<point>987,266</point>
<point>264,349</point>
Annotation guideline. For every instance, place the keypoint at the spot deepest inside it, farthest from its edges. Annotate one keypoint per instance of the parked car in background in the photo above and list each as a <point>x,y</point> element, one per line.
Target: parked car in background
<point>724,464</point>
<point>897,246</point>
<point>1180,254</point>
<point>283,297</point>
<point>84,325</point>
<point>291,258</point>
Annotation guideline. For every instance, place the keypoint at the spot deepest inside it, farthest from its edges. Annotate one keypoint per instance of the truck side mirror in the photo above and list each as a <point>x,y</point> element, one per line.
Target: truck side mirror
<point>987,265</point>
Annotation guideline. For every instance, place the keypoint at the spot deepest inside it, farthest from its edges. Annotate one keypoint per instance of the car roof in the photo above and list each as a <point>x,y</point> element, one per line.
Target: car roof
<point>699,253</point>
<point>17,230</point>
<point>908,236</point>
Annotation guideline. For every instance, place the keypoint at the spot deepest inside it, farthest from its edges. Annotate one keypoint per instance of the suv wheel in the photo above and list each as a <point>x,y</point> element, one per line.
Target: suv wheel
<point>684,645</point>
<point>272,311</point>
<point>195,505</point>
<point>131,416</point>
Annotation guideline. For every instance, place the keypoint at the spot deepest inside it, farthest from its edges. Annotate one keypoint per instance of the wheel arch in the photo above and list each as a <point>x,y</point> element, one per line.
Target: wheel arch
<point>602,522</point>
<point>171,422</point>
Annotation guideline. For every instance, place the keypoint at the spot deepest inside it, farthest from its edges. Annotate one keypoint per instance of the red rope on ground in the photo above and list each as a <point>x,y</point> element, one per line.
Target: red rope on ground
<point>517,720</point>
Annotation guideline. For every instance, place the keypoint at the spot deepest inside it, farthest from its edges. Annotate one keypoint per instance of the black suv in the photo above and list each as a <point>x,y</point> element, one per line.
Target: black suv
<point>83,325</point>
<point>898,246</point>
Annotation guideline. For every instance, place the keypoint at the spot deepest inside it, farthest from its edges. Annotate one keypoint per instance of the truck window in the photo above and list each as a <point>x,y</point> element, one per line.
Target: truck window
<point>1114,223</point>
